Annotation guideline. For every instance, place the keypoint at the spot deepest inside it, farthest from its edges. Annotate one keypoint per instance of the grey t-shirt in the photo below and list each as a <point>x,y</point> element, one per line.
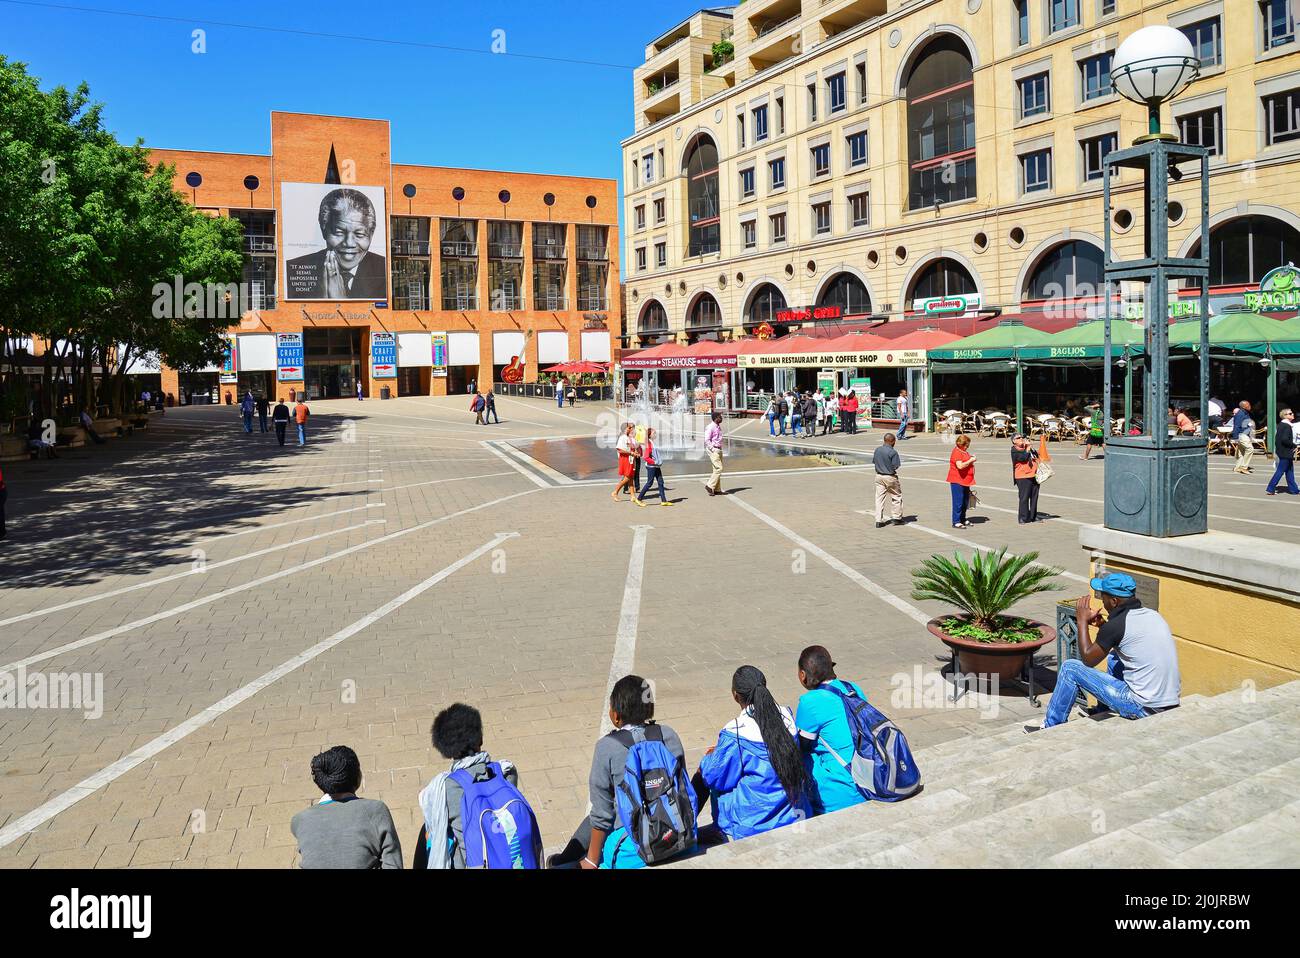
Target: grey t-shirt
<point>357,833</point>
<point>886,460</point>
<point>1140,637</point>
<point>607,766</point>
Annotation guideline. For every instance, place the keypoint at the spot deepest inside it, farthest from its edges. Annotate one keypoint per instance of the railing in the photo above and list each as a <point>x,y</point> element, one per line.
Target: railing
<point>592,300</point>
<point>593,253</point>
<point>548,252</point>
<point>654,87</point>
<point>460,301</point>
<point>256,243</point>
<point>411,302</point>
<point>261,301</point>
<point>547,391</point>
<point>505,250</point>
<point>503,301</point>
<point>769,27</point>
<point>410,247</point>
<point>463,250</point>
<point>550,300</point>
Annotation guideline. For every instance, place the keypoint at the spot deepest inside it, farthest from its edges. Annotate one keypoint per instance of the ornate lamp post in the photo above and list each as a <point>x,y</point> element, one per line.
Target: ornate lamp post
<point>1156,483</point>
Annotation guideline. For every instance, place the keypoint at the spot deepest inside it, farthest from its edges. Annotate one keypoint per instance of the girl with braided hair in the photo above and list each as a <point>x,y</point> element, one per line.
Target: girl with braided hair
<point>755,776</point>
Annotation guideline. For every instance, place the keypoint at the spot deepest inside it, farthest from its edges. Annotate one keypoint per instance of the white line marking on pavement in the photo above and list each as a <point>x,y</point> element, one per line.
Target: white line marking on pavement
<point>879,591</point>
<point>628,616</point>
<point>193,570</point>
<point>233,590</point>
<point>517,467</point>
<point>434,482</point>
<point>88,786</point>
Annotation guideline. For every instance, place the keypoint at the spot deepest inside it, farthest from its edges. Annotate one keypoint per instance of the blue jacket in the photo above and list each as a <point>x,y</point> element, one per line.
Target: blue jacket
<point>747,796</point>
<point>1239,421</point>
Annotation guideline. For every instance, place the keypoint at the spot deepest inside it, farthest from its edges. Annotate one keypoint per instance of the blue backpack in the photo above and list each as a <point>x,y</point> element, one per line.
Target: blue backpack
<point>882,766</point>
<point>655,802</point>
<point>500,829</point>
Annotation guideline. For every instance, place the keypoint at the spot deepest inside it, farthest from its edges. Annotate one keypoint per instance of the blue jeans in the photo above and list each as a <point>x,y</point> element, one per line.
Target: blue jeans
<point>1285,469</point>
<point>248,422</point>
<point>771,425</point>
<point>902,428</point>
<point>960,502</point>
<point>654,474</point>
<point>559,399</point>
<point>302,434</point>
<point>1107,687</point>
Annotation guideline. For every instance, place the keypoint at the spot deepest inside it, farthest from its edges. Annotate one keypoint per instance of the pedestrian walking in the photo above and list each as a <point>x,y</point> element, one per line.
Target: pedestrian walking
<point>809,415</point>
<point>1243,434</point>
<point>246,407</point>
<point>490,407</point>
<point>796,413</point>
<point>476,406</point>
<point>1096,432</point>
<point>773,410</point>
<point>713,446</point>
<point>300,414</point>
<point>471,388</point>
<point>961,480</point>
<point>1024,471</point>
<point>359,399</point>
<point>782,410</point>
<point>888,487</point>
<point>572,392</point>
<point>653,470</point>
<point>1284,446</point>
<point>263,408</point>
<point>849,407</point>
<point>559,392</point>
<point>280,416</point>
<point>820,421</point>
<point>904,407</point>
<point>832,411</point>
<point>625,467</point>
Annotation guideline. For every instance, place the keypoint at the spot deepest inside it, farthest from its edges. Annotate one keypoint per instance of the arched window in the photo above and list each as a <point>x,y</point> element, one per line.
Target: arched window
<point>1244,249</point>
<point>1069,271</point>
<point>943,277</point>
<point>940,93</point>
<point>704,314</point>
<point>704,230</point>
<point>653,321</point>
<point>848,293</point>
<point>766,302</point>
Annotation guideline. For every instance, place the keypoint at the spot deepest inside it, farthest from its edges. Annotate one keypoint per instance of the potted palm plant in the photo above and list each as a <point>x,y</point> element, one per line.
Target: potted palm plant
<point>985,638</point>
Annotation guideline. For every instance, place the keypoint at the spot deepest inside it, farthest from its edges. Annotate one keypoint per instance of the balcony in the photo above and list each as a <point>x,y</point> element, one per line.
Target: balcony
<point>409,247</point>
<point>459,250</point>
<point>460,301</point>
<point>505,300</point>
<point>418,300</point>
<point>554,251</point>
<point>836,16</point>
<point>259,243</point>
<point>505,250</point>
<point>592,299</point>
<point>593,254</point>
<point>661,83</point>
<point>550,299</point>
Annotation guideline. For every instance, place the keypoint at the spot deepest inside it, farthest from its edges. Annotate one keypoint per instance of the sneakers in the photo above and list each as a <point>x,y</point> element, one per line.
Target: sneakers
<point>640,502</point>
<point>666,503</point>
<point>1031,729</point>
<point>881,525</point>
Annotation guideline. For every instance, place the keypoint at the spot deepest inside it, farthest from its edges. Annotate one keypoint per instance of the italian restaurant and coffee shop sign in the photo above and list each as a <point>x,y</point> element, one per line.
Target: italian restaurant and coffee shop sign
<point>877,357</point>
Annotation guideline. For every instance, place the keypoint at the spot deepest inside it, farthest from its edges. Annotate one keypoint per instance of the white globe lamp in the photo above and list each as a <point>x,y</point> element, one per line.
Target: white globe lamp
<point>1152,66</point>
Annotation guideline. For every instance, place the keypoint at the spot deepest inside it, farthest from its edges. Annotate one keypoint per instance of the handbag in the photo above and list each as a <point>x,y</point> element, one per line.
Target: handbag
<point>973,501</point>
<point>1044,472</point>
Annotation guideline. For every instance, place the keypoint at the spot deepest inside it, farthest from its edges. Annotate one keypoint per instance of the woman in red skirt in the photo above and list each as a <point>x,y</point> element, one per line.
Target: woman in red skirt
<point>626,467</point>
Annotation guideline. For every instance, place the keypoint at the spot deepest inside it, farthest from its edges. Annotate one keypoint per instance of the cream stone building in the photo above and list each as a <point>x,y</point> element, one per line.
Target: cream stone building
<point>802,161</point>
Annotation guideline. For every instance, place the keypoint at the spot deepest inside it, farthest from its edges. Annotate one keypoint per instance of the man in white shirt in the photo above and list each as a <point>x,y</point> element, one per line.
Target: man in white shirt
<point>904,409</point>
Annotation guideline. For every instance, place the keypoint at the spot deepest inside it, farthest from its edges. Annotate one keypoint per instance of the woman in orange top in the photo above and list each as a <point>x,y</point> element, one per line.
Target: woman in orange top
<point>961,476</point>
<point>1024,467</point>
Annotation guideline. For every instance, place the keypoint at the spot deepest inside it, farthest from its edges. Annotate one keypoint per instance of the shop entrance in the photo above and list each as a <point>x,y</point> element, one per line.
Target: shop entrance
<point>333,361</point>
<point>259,383</point>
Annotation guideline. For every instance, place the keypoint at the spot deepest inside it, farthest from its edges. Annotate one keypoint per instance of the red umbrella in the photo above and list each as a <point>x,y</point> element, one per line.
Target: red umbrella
<point>581,366</point>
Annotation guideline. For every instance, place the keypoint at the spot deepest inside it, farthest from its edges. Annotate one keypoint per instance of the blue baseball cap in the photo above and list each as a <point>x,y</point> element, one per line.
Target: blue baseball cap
<point>1118,584</point>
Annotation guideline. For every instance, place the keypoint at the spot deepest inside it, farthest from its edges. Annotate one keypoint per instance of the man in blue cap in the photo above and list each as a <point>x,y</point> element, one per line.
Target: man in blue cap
<point>1141,676</point>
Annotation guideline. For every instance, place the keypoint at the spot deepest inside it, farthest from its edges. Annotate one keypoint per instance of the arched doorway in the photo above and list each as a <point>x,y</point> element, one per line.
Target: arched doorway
<point>704,234</point>
<point>940,94</point>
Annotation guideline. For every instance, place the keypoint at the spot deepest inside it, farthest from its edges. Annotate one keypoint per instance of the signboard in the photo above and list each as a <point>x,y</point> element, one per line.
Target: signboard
<point>826,381</point>
<point>288,357</point>
<point>1279,291</point>
<point>383,356</point>
<point>764,331</point>
<point>333,242</point>
<point>680,362</point>
<point>440,353</point>
<point>1178,309</point>
<point>956,305</point>
<point>878,357</point>
<point>229,360</point>
<point>808,313</point>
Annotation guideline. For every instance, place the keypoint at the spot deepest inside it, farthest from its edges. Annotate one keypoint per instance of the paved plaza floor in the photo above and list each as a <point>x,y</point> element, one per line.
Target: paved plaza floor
<point>248,606</point>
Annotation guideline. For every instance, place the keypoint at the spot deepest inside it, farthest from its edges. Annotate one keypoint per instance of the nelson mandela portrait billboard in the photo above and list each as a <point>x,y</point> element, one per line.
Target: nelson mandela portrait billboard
<point>334,241</point>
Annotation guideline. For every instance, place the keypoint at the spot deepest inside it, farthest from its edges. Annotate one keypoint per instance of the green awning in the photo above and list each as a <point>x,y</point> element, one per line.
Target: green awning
<point>1240,332</point>
<point>1088,341</point>
<point>1003,341</point>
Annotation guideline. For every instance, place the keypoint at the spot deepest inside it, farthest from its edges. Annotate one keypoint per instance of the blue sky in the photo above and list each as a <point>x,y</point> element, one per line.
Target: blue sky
<point>447,108</point>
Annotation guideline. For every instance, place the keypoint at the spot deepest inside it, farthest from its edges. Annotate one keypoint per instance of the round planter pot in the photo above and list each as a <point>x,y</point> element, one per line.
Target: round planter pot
<point>1003,659</point>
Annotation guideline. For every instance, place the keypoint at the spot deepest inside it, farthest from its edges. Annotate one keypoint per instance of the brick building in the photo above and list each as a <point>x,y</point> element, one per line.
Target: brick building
<point>456,273</point>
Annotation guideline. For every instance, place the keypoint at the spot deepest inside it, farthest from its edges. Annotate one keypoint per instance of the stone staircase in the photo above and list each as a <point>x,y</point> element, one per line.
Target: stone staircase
<point>1215,783</point>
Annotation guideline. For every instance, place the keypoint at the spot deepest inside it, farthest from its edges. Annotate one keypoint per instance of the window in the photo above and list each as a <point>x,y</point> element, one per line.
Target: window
<point>941,125</point>
<point>760,124</point>
<point>812,102</point>
<point>659,210</point>
<point>848,293</point>
<point>780,116</point>
<point>749,234</point>
<point>661,255</point>
<point>648,162</point>
<point>1207,41</point>
<point>1244,249</point>
<point>702,197</point>
<point>860,68</point>
<point>777,222</point>
<point>944,277</point>
<point>1021,11</point>
<point>1064,14</point>
<point>654,319</point>
<point>1094,152</point>
<point>638,215</point>
<point>1282,117</point>
<point>636,172</point>
<point>1036,171</point>
<point>859,209</point>
<point>1070,270</point>
<point>836,96</point>
<point>1279,23</point>
<point>1203,128</point>
<point>640,259</point>
<point>821,160</point>
<point>776,171</point>
<point>1094,72</point>
<point>1033,95</point>
<point>766,302</point>
<point>747,182</point>
<point>821,218</point>
<point>705,314</point>
<point>858,149</point>
<point>1107,7</point>
<point>740,131</point>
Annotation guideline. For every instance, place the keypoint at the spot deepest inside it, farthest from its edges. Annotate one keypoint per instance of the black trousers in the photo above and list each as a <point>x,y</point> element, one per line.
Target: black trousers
<point>1028,490</point>
<point>279,430</point>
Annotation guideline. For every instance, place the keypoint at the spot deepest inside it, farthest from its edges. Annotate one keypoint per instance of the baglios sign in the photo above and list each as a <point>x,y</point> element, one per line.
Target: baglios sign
<point>1279,291</point>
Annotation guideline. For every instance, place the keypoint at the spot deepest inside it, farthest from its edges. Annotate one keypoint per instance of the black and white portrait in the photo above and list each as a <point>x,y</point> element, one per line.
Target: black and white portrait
<point>333,242</point>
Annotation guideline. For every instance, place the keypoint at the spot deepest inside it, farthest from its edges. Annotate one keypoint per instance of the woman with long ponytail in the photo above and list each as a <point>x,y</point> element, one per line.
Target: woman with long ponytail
<point>755,776</point>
